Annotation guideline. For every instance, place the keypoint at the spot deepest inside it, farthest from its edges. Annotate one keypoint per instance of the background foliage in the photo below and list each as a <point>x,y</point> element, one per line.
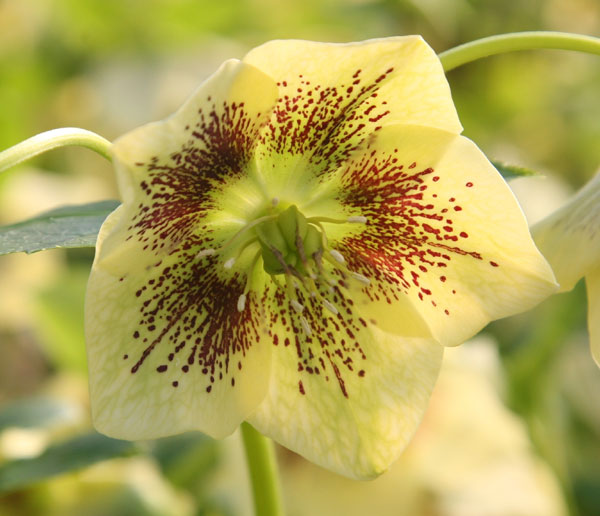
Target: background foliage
<point>110,66</point>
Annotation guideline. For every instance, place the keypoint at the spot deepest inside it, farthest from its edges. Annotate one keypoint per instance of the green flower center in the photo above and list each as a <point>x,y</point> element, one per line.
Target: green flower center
<point>295,247</point>
<point>289,243</point>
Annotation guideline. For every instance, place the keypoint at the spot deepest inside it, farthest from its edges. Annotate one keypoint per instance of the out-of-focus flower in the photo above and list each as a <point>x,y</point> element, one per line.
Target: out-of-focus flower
<point>570,240</point>
<point>294,245</point>
<point>471,456</point>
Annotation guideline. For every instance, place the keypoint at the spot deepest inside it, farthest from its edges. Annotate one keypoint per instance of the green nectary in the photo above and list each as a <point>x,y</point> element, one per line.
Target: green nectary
<point>288,242</point>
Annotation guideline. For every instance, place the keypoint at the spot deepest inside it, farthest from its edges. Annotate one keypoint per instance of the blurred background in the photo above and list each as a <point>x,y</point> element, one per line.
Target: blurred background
<point>514,423</point>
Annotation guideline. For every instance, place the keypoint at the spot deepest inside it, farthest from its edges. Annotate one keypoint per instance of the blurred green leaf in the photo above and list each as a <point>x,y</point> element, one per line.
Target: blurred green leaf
<point>59,319</point>
<point>513,171</point>
<point>73,454</point>
<point>187,459</point>
<point>36,412</point>
<point>68,226</point>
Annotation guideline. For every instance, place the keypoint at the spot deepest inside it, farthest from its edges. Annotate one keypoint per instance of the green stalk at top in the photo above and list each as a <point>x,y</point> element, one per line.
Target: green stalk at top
<point>503,43</point>
<point>43,142</point>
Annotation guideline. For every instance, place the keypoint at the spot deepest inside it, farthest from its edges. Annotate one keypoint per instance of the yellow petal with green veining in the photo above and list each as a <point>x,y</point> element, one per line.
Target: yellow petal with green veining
<point>570,239</point>
<point>168,350</point>
<point>443,232</point>
<point>344,394</point>
<point>592,284</point>
<point>293,246</point>
<point>335,96</point>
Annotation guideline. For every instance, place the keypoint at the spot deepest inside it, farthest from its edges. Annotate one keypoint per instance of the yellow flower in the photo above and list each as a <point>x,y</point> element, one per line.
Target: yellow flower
<point>294,245</point>
<point>569,238</point>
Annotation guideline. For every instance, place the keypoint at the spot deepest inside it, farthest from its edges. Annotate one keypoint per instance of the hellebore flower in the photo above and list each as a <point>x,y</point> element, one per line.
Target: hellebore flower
<point>569,238</point>
<point>293,246</point>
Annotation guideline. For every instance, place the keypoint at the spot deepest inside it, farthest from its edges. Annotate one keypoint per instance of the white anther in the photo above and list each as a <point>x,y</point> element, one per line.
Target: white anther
<point>337,256</point>
<point>206,252</point>
<point>275,201</point>
<point>330,307</point>
<point>360,277</point>
<point>358,219</point>
<point>241,303</point>
<point>305,326</point>
<point>229,263</point>
<point>296,306</point>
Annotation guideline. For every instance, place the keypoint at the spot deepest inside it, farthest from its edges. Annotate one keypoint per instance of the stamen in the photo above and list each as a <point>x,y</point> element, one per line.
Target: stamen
<point>330,220</point>
<point>229,263</point>
<point>318,258</point>
<point>290,286</point>
<point>361,278</point>
<point>312,290</point>
<point>337,256</point>
<point>206,252</point>
<point>358,219</point>
<point>305,326</point>
<point>297,306</point>
<point>241,304</point>
<point>330,307</point>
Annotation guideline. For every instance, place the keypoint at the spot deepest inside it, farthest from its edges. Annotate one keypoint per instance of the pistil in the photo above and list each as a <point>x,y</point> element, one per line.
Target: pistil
<point>294,246</point>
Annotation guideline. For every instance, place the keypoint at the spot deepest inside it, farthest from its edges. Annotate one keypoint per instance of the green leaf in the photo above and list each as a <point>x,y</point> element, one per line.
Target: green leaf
<point>188,459</point>
<point>513,171</point>
<point>73,454</point>
<point>58,322</point>
<point>36,413</point>
<point>68,226</point>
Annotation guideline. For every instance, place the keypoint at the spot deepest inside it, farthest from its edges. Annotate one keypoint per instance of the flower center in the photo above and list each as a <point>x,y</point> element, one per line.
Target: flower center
<point>289,243</point>
<point>295,247</point>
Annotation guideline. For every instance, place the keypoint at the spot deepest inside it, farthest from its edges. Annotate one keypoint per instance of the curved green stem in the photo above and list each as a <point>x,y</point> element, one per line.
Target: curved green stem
<point>503,43</point>
<point>262,466</point>
<point>53,139</point>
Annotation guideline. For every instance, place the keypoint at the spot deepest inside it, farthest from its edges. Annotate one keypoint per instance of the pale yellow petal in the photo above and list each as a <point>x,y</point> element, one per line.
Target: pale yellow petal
<point>592,284</point>
<point>404,71</point>
<point>347,396</point>
<point>569,238</point>
<point>443,231</point>
<point>169,350</point>
<point>334,96</point>
<point>193,166</point>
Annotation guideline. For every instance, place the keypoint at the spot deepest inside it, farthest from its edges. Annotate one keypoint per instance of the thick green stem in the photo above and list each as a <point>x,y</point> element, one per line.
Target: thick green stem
<point>53,139</point>
<point>262,466</point>
<point>503,43</point>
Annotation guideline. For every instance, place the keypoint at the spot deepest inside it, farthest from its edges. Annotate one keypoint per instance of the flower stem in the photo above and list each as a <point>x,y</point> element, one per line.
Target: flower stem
<point>53,139</point>
<point>503,43</point>
<point>262,466</point>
